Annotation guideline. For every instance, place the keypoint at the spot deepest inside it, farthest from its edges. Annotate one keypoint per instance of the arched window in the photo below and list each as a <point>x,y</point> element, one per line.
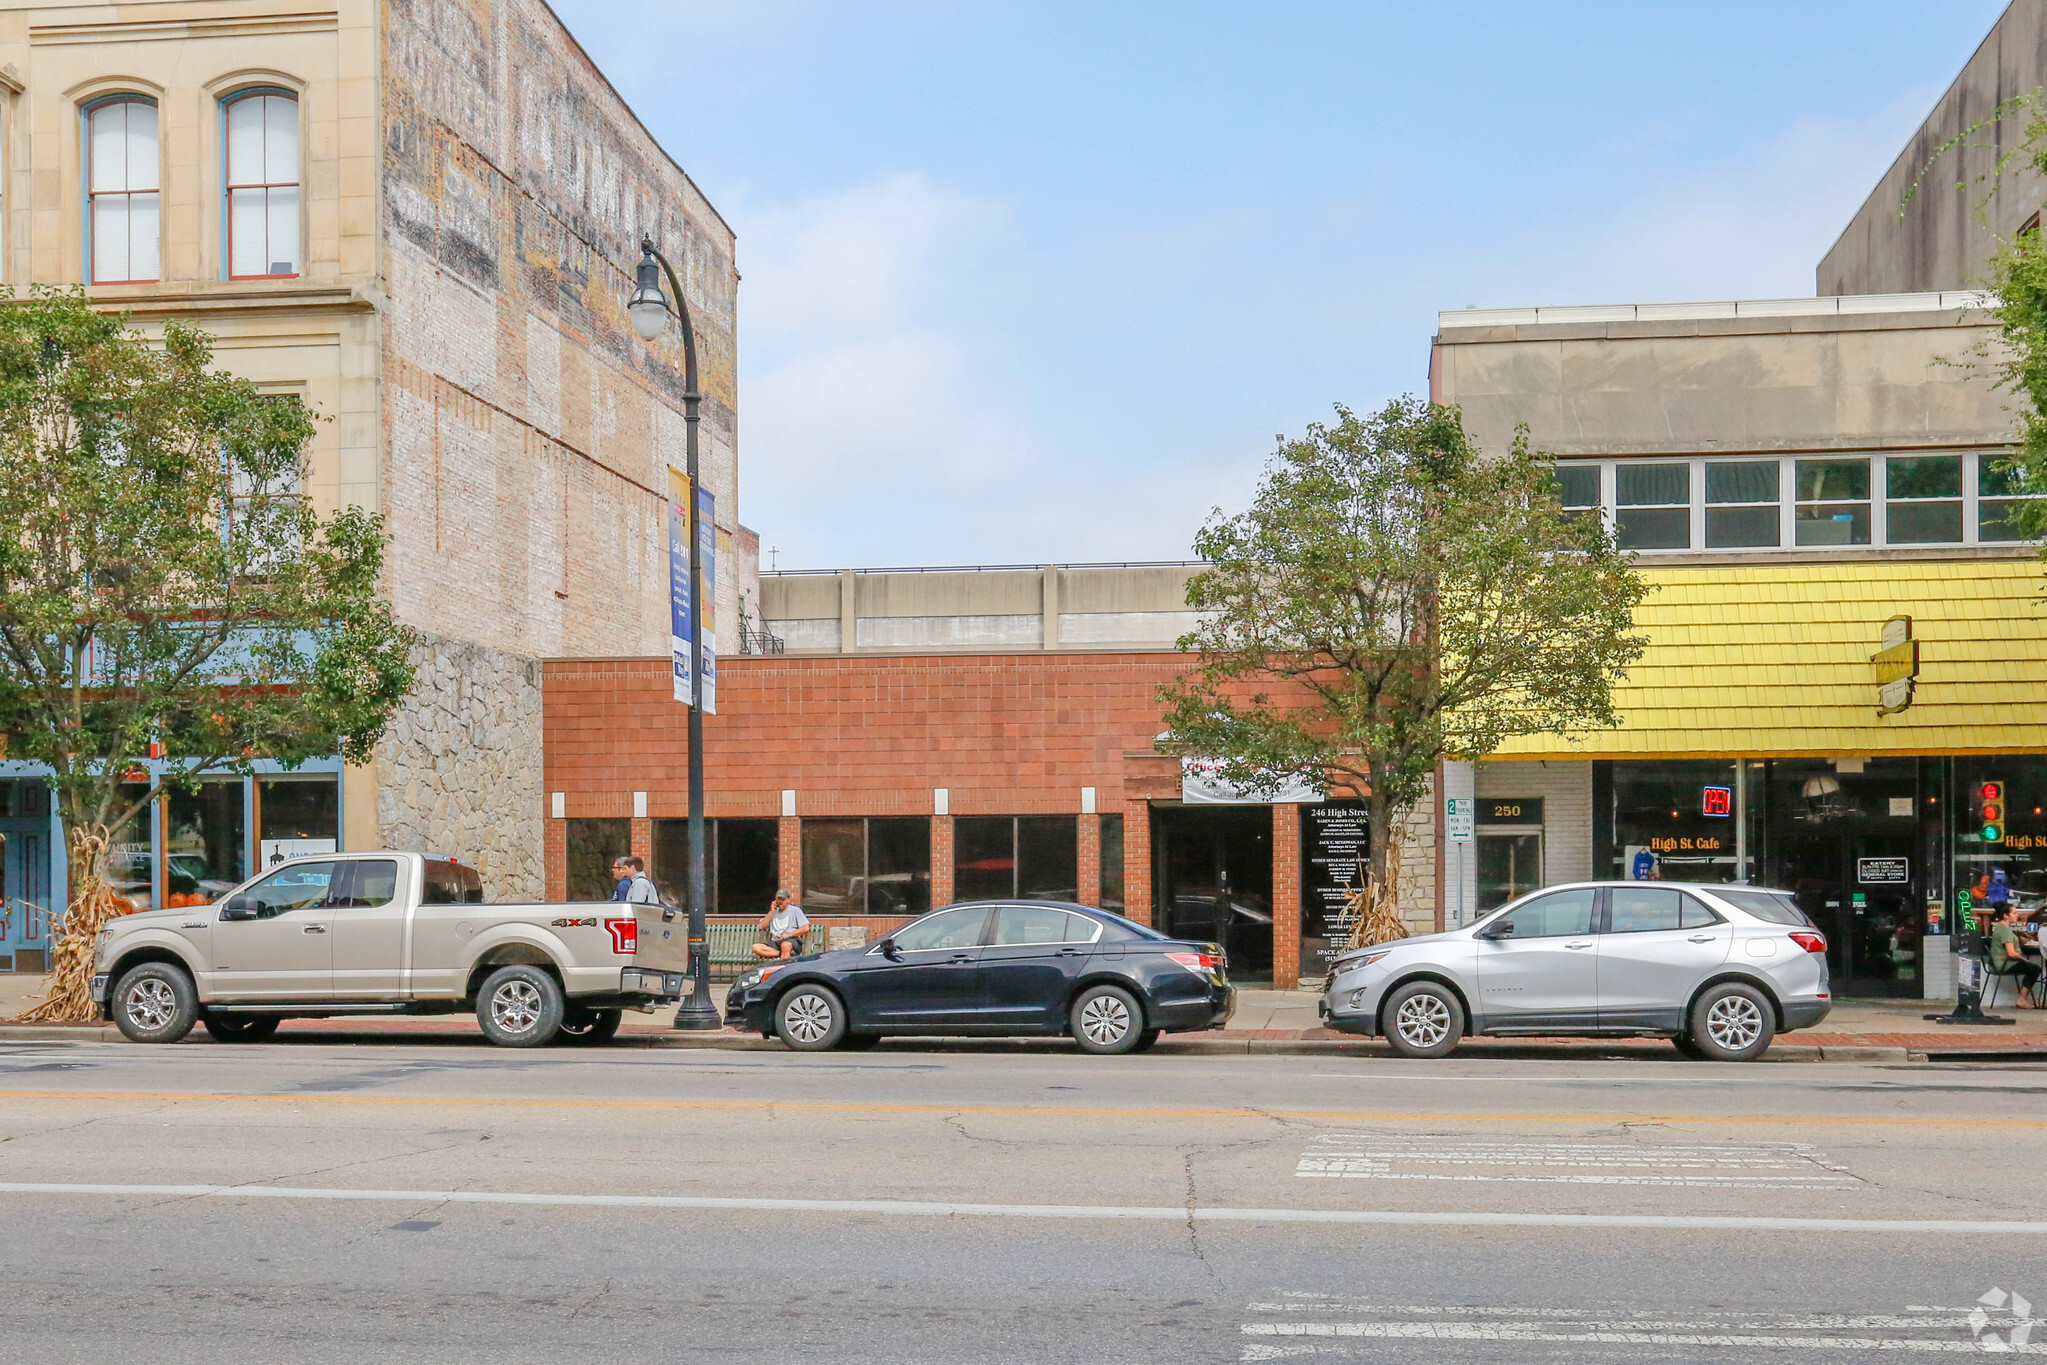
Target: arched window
<point>262,186</point>
<point>121,179</point>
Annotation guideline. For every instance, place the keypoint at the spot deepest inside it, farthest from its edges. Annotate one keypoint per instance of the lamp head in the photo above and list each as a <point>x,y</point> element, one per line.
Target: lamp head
<point>648,306</point>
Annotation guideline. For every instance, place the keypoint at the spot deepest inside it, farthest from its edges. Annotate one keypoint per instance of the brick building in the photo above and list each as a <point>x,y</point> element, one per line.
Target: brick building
<point>422,218</point>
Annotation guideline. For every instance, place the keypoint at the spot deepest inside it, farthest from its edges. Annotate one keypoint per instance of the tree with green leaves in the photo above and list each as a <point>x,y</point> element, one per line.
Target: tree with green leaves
<point>1394,597</point>
<point>170,604</point>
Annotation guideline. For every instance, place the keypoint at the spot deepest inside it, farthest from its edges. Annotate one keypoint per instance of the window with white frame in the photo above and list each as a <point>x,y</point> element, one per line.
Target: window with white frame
<point>262,185</point>
<point>125,214</point>
<point>1923,499</point>
<point>1743,507</point>
<point>2000,494</point>
<point>1653,505</point>
<point>1833,502</point>
<point>1812,502</point>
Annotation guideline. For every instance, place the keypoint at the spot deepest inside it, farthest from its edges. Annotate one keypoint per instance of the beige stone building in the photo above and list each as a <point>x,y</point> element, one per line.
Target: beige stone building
<point>421,217</point>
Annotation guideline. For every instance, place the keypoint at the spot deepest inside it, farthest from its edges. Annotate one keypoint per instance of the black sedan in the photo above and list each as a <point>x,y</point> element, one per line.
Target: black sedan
<point>993,969</point>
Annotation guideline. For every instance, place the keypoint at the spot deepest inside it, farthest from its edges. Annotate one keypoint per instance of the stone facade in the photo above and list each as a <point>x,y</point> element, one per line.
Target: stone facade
<point>459,770</point>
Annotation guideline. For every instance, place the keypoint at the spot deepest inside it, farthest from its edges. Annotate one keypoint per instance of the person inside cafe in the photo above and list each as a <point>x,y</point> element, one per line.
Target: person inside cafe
<point>2008,956</point>
<point>783,928</point>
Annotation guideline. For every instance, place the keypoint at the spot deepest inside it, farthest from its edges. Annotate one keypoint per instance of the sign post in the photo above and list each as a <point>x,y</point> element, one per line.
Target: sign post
<point>1460,819</point>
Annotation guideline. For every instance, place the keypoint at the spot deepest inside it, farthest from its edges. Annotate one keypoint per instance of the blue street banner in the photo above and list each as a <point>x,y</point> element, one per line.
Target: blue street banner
<point>680,616</point>
<point>707,567</point>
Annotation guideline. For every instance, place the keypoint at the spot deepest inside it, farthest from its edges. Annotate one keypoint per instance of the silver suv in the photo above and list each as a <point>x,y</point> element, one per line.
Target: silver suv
<point>1720,970</point>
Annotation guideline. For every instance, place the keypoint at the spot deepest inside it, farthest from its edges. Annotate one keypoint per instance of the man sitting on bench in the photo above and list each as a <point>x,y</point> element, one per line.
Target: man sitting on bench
<point>783,929</point>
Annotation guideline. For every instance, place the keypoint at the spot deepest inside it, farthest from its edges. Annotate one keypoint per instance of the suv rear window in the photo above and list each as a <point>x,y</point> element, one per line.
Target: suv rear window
<point>1774,907</point>
<point>450,884</point>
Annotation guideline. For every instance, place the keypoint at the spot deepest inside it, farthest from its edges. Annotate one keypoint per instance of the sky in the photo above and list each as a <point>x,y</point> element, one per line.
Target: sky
<point>1042,283</point>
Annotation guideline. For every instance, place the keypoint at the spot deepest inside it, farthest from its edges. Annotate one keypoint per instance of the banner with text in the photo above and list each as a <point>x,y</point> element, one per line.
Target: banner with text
<point>680,623</point>
<point>707,610</point>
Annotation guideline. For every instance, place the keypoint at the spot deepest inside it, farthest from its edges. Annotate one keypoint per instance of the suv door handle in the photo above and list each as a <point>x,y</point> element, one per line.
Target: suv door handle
<point>314,929</point>
<point>1586,944</point>
<point>1703,938</point>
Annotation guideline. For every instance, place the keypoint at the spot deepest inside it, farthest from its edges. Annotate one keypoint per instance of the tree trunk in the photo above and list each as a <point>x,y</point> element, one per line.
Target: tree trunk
<point>69,997</point>
<point>1377,905</point>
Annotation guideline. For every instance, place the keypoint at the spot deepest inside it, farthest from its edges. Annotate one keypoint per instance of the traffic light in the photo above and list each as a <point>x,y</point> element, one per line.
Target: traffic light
<point>1990,811</point>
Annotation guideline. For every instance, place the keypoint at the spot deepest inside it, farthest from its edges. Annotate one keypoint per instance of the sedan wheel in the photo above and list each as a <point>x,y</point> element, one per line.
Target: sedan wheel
<point>1732,1023</point>
<point>810,1019</point>
<point>1106,1020</point>
<point>1423,1019</point>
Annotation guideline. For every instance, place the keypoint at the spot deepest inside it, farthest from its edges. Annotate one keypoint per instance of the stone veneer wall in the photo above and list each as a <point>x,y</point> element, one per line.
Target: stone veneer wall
<point>459,770</point>
<point>1418,866</point>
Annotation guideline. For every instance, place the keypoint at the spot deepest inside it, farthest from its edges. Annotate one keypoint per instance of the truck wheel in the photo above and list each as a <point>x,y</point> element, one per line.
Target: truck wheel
<point>520,1006</point>
<point>810,1019</point>
<point>241,1028</point>
<point>590,1027</point>
<point>155,1003</point>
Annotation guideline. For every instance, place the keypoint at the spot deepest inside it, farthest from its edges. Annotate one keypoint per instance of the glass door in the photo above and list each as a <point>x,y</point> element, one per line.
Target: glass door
<point>1509,865</point>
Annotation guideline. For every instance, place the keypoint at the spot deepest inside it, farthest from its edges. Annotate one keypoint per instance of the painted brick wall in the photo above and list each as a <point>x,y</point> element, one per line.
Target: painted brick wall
<point>527,430</point>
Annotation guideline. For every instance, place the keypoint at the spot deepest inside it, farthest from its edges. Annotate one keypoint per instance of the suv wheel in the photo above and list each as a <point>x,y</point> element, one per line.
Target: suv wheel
<point>810,1019</point>
<point>1106,1020</point>
<point>1423,1019</point>
<point>241,1028</point>
<point>520,1006</point>
<point>155,1003</point>
<point>1732,1023</point>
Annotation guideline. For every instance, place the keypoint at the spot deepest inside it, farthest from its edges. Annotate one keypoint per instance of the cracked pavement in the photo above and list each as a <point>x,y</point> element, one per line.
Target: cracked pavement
<point>229,1277</point>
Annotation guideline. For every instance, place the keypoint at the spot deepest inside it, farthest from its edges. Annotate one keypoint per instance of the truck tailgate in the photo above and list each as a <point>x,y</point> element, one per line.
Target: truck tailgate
<point>664,942</point>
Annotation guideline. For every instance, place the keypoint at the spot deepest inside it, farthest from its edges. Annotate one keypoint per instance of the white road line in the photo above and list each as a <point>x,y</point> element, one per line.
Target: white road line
<point>1600,1334</point>
<point>1168,1214</point>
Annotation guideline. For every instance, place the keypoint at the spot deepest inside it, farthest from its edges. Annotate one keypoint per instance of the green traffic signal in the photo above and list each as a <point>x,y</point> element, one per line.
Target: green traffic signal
<point>1992,834</point>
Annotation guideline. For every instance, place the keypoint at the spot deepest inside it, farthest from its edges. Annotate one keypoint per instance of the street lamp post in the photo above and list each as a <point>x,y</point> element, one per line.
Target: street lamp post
<point>649,311</point>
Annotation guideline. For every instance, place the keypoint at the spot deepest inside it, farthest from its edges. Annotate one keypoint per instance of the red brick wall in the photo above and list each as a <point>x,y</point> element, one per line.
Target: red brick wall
<point>1286,896</point>
<point>941,860</point>
<point>1090,860</point>
<point>788,852</point>
<point>1137,861</point>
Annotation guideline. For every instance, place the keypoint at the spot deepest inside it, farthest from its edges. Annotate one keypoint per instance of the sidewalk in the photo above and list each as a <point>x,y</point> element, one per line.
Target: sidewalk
<point>1266,1022</point>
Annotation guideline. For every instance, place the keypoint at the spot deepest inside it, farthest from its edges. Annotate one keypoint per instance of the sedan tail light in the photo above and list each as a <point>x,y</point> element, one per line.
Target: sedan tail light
<point>1808,940</point>
<point>1201,964</point>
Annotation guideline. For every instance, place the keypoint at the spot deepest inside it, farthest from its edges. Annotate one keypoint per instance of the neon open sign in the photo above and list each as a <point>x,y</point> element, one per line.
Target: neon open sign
<point>1716,801</point>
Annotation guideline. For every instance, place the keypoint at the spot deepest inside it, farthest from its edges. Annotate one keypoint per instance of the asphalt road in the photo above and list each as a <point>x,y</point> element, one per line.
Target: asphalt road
<point>441,1201</point>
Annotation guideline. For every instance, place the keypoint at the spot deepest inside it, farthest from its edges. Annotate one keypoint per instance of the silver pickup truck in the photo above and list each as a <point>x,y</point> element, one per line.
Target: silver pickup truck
<point>386,934</point>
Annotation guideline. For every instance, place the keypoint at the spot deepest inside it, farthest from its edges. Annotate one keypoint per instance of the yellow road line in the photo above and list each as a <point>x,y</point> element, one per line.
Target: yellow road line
<point>1014,1110</point>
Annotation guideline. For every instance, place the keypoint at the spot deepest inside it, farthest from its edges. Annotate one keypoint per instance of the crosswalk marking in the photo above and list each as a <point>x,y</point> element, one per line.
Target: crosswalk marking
<point>1360,1156</point>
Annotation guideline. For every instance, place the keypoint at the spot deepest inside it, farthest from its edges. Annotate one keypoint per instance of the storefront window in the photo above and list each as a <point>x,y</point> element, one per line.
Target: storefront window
<point>296,816</point>
<point>1742,506</point>
<point>206,842</point>
<point>1833,502</point>
<point>131,856</point>
<point>1984,848</point>
<point>1048,857</point>
<point>898,865</point>
<point>592,846</point>
<point>744,858</point>
<point>983,857</point>
<point>834,867</point>
<point>1652,506</point>
<point>1672,821</point>
<point>1923,500</point>
<point>1112,863</point>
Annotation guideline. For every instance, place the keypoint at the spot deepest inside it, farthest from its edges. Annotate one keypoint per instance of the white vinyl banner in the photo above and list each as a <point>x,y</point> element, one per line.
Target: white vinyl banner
<point>1202,784</point>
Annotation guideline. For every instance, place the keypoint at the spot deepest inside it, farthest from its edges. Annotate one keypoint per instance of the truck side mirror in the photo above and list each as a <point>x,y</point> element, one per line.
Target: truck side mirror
<point>239,907</point>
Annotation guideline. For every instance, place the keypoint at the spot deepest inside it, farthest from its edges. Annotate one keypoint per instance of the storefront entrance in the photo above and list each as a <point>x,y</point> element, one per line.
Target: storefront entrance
<point>25,852</point>
<point>1212,867</point>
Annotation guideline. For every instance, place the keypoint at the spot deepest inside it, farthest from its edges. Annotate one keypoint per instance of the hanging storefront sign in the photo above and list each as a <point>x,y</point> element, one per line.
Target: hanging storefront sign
<point>680,619</point>
<point>707,563</point>
<point>1897,666</point>
<point>1202,784</point>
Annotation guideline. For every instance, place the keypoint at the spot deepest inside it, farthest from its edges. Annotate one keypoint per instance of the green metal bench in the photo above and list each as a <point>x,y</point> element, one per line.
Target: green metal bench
<point>730,945</point>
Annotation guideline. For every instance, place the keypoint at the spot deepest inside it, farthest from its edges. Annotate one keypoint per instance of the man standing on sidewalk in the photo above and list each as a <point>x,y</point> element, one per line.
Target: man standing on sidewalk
<point>634,886</point>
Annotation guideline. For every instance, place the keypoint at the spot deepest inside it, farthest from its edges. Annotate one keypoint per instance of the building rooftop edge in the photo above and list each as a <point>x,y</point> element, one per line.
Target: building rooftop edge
<point>1826,305</point>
